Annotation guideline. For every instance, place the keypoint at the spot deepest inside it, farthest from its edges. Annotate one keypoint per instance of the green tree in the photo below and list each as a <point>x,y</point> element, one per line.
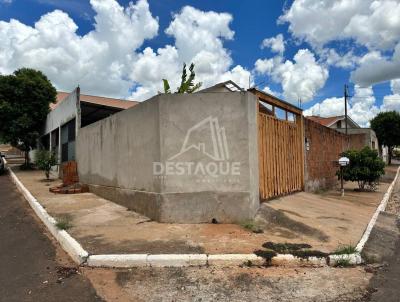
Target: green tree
<point>44,160</point>
<point>187,84</point>
<point>25,97</point>
<point>365,167</point>
<point>387,128</point>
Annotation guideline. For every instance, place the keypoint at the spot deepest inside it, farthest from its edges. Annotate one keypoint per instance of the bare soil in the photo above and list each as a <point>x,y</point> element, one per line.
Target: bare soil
<point>231,284</point>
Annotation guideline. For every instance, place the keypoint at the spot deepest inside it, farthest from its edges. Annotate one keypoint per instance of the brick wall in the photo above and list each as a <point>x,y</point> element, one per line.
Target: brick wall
<point>323,151</point>
<point>359,141</point>
<point>323,146</point>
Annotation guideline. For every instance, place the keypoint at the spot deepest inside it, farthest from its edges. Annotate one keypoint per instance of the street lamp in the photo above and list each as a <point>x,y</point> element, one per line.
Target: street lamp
<point>343,162</point>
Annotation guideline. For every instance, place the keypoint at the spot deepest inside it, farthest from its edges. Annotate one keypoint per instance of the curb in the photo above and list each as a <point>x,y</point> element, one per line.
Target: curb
<point>82,257</point>
<point>69,244</point>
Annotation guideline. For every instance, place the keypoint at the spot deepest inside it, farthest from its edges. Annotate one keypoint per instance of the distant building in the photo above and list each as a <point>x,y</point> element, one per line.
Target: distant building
<point>367,135</point>
<point>71,112</point>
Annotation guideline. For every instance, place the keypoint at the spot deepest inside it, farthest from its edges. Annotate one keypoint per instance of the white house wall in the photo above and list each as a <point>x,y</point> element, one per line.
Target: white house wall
<point>64,112</point>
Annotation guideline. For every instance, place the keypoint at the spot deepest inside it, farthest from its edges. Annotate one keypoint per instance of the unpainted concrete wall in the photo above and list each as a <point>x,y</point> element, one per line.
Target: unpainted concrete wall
<point>63,113</point>
<point>117,157</point>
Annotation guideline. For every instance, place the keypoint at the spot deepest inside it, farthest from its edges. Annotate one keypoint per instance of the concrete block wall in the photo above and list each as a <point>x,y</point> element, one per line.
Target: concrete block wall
<point>186,158</point>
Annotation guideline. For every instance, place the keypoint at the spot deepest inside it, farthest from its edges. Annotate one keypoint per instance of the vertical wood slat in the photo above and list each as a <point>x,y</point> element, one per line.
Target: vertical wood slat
<point>280,156</point>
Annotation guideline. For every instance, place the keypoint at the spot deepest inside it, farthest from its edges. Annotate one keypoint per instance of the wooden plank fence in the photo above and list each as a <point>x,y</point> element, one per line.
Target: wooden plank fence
<point>281,162</point>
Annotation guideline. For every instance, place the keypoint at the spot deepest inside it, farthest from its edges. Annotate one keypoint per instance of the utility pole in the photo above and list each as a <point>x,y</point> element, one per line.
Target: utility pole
<point>345,105</point>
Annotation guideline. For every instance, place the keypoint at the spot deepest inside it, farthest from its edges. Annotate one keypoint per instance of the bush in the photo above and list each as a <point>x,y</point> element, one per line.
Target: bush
<point>45,160</point>
<point>365,167</point>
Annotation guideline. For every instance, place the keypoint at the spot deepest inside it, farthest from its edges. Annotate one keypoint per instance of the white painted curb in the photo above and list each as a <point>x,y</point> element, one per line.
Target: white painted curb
<point>355,258</point>
<point>116,260</point>
<point>69,244</point>
<point>374,218</point>
<point>80,256</point>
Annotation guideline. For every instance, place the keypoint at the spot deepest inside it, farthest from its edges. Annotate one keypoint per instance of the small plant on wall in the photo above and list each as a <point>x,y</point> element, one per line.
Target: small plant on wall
<point>45,160</point>
<point>365,168</point>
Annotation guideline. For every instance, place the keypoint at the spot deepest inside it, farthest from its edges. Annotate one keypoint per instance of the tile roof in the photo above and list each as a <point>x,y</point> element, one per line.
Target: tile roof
<point>99,100</point>
<point>325,121</point>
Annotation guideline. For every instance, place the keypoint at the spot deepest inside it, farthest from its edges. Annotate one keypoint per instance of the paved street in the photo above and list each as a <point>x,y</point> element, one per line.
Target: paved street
<point>32,268</point>
<point>385,284</point>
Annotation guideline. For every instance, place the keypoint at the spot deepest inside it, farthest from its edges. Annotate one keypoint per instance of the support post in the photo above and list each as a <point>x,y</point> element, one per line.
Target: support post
<point>341,180</point>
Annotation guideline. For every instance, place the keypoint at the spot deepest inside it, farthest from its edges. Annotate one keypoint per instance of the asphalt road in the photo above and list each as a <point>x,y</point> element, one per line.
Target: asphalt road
<point>32,268</point>
<point>385,284</point>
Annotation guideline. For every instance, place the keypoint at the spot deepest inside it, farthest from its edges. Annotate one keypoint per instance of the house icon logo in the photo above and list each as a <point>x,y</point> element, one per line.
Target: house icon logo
<point>208,138</point>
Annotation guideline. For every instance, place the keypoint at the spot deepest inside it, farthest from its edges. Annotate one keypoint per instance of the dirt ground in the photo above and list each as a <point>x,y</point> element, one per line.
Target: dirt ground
<point>231,284</point>
<point>325,221</point>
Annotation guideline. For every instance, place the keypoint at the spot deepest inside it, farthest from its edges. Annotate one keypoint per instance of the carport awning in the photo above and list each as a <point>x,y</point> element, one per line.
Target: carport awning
<point>91,112</point>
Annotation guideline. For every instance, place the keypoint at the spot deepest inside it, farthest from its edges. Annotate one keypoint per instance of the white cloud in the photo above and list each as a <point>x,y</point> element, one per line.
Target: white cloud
<point>361,108</point>
<point>268,90</point>
<point>277,44</point>
<point>392,102</point>
<point>6,1</point>
<point>301,78</point>
<point>333,58</point>
<point>328,107</point>
<point>105,61</point>
<point>99,61</point>
<point>395,86</point>
<point>373,23</point>
<point>376,68</point>
<point>199,39</point>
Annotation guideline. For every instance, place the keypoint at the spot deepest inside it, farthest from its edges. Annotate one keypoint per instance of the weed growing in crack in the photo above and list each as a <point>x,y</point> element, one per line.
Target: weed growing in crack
<point>345,249</point>
<point>64,223</point>
<point>342,262</point>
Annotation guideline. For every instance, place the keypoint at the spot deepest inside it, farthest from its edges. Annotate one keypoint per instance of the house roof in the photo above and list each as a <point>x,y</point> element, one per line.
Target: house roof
<point>329,121</point>
<point>98,100</point>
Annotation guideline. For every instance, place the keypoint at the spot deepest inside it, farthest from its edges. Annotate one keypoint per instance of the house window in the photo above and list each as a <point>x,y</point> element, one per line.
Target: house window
<point>339,124</point>
<point>373,145</point>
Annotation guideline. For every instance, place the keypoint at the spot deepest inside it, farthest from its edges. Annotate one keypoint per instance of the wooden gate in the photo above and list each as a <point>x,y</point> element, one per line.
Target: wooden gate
<point>280,155</point>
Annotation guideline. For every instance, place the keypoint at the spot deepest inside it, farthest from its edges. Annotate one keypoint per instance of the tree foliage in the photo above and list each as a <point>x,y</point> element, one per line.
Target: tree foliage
<point>24,104</point>
<point>44,160</point>
<point>387,128</point>
<point>365,167</point>
<point>187,83</point>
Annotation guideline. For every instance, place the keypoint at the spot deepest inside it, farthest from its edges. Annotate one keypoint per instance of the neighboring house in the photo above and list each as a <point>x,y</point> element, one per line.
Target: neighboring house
<point>361,136</point>
<point>71,112</point>
<point>335,122</point>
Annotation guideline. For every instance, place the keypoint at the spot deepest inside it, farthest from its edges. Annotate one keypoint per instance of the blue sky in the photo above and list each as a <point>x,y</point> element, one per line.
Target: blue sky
<point>252,22</point>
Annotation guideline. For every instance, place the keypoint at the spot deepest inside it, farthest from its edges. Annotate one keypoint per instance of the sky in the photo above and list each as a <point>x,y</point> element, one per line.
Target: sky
<point>303,51</point>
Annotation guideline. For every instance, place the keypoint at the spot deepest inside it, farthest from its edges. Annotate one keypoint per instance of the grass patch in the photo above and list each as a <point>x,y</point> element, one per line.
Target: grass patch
<point>345,250</point>
<point>266,254</point>
<point>252,226</point>
<point>342,262</point>
<point>299,250</point>
<point>305,254</point>
<point>64,223</point>
<point>285,248</point>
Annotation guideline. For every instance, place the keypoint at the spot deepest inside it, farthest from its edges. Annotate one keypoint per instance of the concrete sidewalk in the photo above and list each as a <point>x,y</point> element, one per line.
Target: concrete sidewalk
<point>324,221</point>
